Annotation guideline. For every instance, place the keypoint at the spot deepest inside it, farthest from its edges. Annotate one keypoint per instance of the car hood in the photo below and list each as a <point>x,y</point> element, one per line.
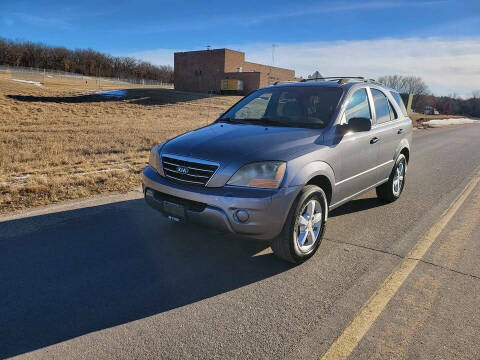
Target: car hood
<point>223,142</point>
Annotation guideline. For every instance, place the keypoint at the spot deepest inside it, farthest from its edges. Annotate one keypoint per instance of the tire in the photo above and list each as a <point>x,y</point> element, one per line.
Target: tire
<point>287,245</point>
<point>393,188</point>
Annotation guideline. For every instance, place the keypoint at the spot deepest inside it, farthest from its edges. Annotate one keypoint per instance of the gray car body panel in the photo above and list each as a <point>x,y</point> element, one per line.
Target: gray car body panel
<point>350,163</point>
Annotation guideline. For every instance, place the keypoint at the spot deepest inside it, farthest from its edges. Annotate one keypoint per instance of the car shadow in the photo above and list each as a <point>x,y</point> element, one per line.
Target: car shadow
<point>70,273</point>
<point>134,96</point>
<point>357,205</point>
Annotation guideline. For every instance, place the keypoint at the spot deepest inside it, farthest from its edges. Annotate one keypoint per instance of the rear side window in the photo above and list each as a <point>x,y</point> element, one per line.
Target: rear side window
<point>393,112</point>
<point>382,107</point>
<point>399,101</point>
<point>358,106</point>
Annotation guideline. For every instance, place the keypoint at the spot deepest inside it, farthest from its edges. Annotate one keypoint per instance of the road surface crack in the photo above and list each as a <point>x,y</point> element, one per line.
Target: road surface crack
<point>446,268</point>
<point>403,257</point>
<point>365,247</point>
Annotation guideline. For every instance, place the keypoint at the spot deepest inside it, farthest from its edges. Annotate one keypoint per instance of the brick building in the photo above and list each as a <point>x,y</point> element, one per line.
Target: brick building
<point>203,71</point>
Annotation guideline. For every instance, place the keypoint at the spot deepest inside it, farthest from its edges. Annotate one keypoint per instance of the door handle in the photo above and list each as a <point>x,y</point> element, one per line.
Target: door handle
<point>400,131</point>
<point>374,140</point>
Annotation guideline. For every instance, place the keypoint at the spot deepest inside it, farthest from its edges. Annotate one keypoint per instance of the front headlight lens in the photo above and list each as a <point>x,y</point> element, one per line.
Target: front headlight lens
<point>267,175</point>
<point>154,158</point>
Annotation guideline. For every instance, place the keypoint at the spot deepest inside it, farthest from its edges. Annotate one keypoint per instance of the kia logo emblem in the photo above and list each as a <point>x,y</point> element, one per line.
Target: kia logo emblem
<point>182,169</point>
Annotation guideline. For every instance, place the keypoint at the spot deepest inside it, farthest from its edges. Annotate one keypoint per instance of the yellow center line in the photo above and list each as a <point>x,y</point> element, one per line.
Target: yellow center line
<point>343,346</point>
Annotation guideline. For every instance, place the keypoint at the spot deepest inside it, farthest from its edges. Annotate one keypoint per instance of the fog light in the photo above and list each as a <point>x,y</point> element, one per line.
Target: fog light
<point>149,192</point>
<point>242,215</point>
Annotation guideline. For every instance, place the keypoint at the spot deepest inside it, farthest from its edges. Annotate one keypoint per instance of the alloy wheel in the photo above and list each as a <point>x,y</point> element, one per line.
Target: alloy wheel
<point>398,177</point>
<point>309,225</point>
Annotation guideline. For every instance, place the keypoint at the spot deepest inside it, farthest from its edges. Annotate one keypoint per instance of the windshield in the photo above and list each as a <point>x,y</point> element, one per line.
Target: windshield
<point>300,106</point>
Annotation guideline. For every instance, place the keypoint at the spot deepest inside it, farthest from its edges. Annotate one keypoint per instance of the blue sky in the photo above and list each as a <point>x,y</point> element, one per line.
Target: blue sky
<point>354,37</point>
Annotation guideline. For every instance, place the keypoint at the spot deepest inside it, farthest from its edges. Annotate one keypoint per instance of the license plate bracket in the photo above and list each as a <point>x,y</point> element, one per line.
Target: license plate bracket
<point>175,210</point>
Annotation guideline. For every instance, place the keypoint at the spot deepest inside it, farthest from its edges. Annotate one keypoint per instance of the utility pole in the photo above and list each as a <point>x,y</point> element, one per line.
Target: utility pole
<point>271,78</point>
<point>273,54</point>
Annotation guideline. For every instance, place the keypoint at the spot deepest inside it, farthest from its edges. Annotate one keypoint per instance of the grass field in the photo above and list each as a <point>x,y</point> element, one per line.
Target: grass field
<point>61,142</point>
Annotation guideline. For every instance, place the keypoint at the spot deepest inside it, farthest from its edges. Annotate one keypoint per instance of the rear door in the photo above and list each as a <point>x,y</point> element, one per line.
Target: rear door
<point>388,130</point>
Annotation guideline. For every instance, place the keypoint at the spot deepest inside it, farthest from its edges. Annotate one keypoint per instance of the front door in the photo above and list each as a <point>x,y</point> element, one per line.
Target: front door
<point>358,152</point>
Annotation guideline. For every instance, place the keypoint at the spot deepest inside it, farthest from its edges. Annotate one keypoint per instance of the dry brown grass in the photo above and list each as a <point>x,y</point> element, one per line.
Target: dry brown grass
<point>81,83</point>
<point>60,142</point>
<point>63,142</point>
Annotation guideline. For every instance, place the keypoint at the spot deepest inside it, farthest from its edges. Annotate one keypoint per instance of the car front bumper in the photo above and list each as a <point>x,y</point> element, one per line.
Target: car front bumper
<point>217,207</point>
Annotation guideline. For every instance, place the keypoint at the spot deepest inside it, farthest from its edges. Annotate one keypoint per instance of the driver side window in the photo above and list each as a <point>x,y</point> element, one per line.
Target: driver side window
<point>358,106</point>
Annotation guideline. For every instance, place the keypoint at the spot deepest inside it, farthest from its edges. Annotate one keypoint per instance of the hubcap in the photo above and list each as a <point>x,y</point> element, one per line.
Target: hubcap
<point>309,226</point>
<point>398,178</point>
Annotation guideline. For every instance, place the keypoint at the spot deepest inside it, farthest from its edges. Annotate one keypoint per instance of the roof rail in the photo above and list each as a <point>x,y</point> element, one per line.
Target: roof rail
<point>373,81</point>
<point>284,82</point>
<point>340,79</point>
<point>332,78</point>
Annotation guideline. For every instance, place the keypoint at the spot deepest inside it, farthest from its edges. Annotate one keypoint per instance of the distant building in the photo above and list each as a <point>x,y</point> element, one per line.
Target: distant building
<point>204,71</point>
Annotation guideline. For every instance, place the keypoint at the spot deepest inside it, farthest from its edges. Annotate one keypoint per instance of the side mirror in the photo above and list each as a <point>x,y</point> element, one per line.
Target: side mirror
<point>359,124</point>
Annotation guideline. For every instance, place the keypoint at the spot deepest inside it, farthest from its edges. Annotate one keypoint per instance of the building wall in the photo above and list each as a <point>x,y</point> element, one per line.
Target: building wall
<point>251,80</point>
<point>199,71</point>
<point>233,60</point>
<point>271,73</point>
<point>202,71</point>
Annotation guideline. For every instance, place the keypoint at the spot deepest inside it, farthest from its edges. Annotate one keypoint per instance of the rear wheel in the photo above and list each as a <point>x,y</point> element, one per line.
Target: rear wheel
<point>303,230</point>
<point>392,189</point>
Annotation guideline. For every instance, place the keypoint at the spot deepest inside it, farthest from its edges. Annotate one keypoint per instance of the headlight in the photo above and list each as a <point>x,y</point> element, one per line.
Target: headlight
<point>154,159</point>
<point>267,174</point>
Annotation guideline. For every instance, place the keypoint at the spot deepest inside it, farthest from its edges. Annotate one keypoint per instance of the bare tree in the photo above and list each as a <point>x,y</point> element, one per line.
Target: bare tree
<point>405,84</point>
<point>80,61</point>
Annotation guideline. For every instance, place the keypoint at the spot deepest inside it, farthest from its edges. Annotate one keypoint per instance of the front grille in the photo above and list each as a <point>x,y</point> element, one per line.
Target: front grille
<point>188,171</point>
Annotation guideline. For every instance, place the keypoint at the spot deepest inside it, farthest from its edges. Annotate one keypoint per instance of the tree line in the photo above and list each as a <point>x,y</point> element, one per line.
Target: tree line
<point>80,61</point>
<point>451,104</point>
<point>405,84</point>
<point>422,97</point>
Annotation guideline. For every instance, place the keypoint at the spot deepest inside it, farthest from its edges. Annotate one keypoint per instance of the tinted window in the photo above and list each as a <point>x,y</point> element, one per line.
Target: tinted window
<point>255,109</point>
<point>382,107</point>
<point>289,106</point>
<point>393,112</point>
<point>294,106</point>
<point>399,101</point>
<point>358,105</point>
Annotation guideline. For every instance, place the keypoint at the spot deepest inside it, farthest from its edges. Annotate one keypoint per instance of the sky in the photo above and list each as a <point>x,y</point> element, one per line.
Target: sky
<point>438,40</point>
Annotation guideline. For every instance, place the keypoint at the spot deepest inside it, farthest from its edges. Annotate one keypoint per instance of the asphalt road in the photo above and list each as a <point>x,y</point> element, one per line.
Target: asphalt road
<point>111,278</point>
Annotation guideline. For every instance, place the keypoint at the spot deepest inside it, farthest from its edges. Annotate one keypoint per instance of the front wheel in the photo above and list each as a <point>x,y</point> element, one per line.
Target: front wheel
<point>303,230</point>
<point>392,189</point>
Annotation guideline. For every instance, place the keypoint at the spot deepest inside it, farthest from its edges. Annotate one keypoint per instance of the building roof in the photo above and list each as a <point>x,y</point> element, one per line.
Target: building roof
<point>197,51</point>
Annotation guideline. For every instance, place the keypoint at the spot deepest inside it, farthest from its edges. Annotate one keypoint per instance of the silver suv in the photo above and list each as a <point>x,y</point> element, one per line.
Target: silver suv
<point>274,164</point>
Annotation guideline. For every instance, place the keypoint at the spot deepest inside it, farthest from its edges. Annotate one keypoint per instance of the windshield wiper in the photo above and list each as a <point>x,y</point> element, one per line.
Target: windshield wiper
<point>270,121</point>
<point>265,121</point>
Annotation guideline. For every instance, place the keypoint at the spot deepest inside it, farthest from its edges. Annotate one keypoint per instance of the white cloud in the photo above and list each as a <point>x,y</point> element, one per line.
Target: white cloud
<point>447,65</point>
<point>237,19</point>
<point>340,6</point>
